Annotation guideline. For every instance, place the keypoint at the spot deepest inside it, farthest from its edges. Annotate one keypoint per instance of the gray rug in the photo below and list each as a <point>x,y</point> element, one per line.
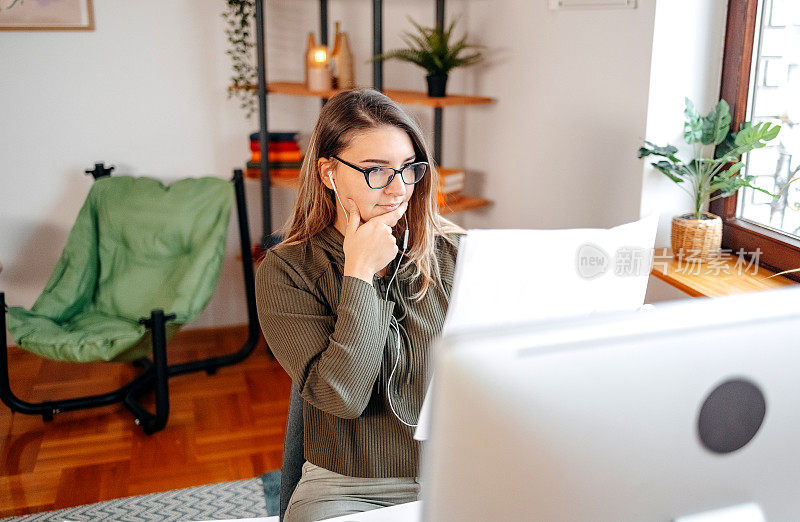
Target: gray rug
<point>257,497</point>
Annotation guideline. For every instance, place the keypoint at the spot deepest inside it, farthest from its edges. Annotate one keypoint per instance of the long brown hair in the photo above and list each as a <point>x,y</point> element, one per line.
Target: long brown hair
<point>343,117</point>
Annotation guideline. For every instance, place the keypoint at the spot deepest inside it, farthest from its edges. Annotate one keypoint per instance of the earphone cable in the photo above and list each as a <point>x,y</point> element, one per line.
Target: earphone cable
<point>396,326</point>
<point>397,268</point>
<point>391,375</point>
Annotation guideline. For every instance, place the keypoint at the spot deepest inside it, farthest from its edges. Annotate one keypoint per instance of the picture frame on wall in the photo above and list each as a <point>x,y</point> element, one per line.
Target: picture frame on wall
<point>46,15</point>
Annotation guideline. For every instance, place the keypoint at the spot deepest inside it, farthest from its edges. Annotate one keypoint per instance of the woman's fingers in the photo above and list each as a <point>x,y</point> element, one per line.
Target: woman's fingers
<point>355,217</point>
<point>391,218</point>
<point>370,246</point>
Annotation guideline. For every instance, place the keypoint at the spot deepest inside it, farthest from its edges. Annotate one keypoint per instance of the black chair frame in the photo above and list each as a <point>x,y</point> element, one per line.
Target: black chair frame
<point>293,451</point>
<point>155,374</point>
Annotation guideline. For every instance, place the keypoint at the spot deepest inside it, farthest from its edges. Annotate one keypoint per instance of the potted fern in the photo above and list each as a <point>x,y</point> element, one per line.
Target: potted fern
<point>712,174</point>
<point>431,48</point>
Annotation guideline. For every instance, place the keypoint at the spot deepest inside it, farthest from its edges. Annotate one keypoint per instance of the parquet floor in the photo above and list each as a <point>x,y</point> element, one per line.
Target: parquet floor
<point>227,426</point>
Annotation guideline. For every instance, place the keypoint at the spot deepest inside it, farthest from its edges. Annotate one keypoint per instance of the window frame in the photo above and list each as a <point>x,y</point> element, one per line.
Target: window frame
<point>777,251</point>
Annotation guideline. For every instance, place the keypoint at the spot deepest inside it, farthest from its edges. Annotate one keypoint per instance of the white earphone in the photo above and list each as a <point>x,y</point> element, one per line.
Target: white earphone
<point>346,213</point>
<point>396,326</point>
<point>402,254</point>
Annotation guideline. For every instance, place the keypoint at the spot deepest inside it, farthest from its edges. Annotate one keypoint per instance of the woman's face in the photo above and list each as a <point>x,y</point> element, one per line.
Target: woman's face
<point>378,147</point>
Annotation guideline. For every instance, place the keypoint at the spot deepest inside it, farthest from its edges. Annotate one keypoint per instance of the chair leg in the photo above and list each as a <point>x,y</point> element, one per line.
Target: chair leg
<point>162,374</point>
<point>211,364</point>
<point>47,409</point>
<point>149,422</point>
<point>254,329</point>
<point>7,396</point>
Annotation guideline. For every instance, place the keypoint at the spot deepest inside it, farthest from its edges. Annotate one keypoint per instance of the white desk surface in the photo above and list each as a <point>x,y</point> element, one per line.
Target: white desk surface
<point>410,512</point>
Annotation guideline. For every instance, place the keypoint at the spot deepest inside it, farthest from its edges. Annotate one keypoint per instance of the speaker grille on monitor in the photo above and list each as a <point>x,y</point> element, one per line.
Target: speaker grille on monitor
<point>731,415</point>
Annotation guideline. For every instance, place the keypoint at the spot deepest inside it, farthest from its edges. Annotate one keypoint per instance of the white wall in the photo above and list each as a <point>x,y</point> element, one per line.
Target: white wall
<point>558,147</point>
<point>688,42</point>
<point>147,91</point>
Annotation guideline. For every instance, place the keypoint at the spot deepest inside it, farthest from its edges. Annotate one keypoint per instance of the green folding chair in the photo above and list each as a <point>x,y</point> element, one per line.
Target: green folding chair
<point>142,260</point>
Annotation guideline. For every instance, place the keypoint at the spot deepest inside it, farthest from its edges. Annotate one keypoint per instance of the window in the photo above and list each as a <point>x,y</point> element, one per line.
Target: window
<point>774,77</point>
<point>761,82</point>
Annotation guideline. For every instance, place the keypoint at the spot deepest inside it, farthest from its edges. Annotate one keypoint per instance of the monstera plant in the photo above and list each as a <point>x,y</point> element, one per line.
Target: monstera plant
<point>712,173</point>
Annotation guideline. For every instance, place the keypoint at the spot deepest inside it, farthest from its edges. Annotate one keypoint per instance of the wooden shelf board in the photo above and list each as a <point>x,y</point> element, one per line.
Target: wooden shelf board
<point>398,95</point>
<point>297,89</point>
<point>463,203</point>
<point>292,182</point>
<point>725,276</point>
<point>421,98</point>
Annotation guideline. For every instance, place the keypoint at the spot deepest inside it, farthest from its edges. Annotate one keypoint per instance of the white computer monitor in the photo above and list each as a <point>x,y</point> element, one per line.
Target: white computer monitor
<point>599,418</point>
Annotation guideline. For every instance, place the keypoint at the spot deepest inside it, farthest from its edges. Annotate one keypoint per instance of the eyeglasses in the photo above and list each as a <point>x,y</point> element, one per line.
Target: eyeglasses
<point>380,177</point>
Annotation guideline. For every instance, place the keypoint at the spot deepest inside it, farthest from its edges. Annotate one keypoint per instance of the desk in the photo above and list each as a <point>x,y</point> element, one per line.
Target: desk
<point>410,512</point>
<point>727,275</point>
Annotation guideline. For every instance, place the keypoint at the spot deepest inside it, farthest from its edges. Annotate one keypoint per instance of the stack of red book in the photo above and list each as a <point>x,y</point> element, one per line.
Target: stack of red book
<point>285,157</point>
<point>451,182</point>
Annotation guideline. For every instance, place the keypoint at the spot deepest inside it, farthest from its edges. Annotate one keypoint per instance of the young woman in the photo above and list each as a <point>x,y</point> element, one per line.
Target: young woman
<point>351,300</point>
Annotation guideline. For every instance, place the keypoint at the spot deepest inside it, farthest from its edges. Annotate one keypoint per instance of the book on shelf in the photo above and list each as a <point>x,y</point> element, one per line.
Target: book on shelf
<point>283,148</point>
<point>277,173</point>
<point>278,156</point>
<point>278,169</point>
<point>451,180</point>
<point>449,198</point>
<point>285,173</point>
<point>451,185</point>
<point>281,136</point>
<point>451,175</point>
<point>276,165</point>
<point>280,146</point>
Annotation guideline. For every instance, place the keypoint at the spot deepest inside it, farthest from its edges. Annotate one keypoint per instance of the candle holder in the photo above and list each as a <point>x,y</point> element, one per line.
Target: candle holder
<point>320,78</point>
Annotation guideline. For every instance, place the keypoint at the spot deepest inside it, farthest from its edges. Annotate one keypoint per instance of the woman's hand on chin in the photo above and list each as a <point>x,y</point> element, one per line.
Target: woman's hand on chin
<point>370,246</point>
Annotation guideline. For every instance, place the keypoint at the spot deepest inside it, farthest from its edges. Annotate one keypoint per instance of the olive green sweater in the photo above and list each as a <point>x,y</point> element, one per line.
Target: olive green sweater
<point>332,335</point>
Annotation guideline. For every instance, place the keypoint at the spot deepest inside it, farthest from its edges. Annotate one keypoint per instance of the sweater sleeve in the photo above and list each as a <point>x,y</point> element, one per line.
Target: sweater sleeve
<point>333,359</point>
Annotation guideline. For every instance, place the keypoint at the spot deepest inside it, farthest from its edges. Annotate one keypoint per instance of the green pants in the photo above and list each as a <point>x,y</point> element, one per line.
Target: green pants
<point>322,494</point>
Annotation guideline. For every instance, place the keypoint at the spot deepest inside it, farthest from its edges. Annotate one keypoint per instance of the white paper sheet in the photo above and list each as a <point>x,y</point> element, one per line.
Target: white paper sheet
<point>508,276</point>
<point>512,276</point>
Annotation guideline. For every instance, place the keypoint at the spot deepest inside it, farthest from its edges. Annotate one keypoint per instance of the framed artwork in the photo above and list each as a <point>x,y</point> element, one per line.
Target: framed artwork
<point>46,15</point>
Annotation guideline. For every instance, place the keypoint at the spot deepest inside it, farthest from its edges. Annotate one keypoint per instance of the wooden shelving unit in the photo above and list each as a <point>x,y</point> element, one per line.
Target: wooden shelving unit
<point>464,203</point>
<point>263,88</point>
<point>398,95</point>
<point>421,98</point>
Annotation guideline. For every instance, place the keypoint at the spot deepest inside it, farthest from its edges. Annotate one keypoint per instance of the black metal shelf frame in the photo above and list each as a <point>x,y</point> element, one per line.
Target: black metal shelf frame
<point>268,238</point>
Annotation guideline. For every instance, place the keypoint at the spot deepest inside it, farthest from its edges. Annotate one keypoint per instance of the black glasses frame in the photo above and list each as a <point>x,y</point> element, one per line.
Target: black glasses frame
<point>366,172</point>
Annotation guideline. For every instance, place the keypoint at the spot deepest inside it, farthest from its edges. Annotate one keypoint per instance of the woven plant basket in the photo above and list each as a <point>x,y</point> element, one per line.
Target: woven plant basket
<point>697,239</point>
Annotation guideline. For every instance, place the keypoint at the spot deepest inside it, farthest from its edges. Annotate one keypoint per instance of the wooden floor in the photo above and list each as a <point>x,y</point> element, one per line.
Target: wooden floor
<point>228,426</point>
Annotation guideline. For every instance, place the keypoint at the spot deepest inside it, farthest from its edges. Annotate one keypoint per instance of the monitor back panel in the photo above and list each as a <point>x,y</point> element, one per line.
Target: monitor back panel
<point>608,429</point>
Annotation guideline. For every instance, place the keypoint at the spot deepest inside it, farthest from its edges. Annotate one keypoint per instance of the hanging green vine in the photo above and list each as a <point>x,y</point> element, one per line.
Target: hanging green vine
<point>238,14</point>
